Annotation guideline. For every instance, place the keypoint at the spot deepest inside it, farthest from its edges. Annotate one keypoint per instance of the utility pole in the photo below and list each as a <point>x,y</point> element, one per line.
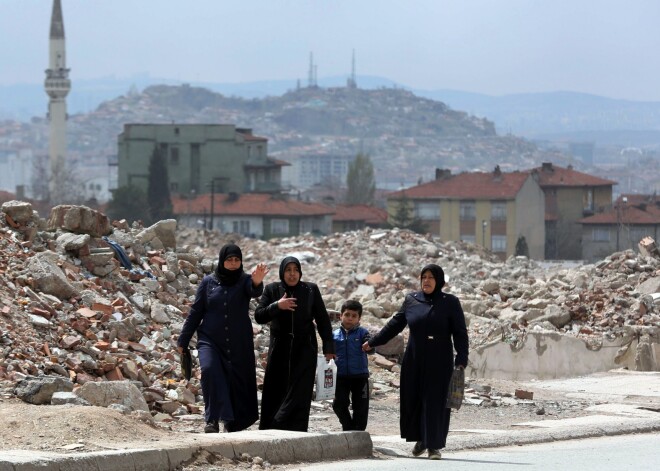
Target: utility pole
<point>484,223</point>
<point>212,203</point>
<point>619,221</point>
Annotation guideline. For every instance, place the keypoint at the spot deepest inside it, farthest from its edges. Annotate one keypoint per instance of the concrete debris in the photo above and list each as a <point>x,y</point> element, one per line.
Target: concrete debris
<point>76,315</point>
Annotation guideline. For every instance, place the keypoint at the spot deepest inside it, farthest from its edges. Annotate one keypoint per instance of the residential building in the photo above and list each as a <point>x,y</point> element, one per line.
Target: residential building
<point>357,216</point>
<point>492,209</point>
<point>620,227</point>
<point>254,214</point>
<point>313,169</point>
<point>16,169</point>
<point>569,197</point>
<point>200,158</point>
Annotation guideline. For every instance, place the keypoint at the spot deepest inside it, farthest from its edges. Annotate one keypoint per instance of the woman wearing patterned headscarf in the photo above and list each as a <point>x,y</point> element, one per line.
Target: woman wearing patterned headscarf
<point>291,306</point>
<point>220,315</point>
<point>434,319</point>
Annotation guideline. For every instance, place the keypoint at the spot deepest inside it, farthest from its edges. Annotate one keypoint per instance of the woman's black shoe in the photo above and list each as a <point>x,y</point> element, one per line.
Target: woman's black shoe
<point>418,449</point>
<point>212,427</point>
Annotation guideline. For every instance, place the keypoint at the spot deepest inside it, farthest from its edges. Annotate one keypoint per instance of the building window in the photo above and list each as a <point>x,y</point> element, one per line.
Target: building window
<point>279,226</point>
<point>498,243</point>
<point>174,156</point>
<point>241,227</point>
<point>600,234</point>
<point>469,238</point>
<point>498,211</point>
<point>589,200</point>
<point>467,211</point>
<point>427,210</point>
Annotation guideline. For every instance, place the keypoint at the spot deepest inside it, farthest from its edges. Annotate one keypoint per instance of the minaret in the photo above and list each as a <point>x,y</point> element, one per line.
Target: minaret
<point>352,81</point>
<point>57,87</point>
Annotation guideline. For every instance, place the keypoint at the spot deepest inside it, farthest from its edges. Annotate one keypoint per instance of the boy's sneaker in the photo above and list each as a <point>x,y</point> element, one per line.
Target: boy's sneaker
<point>434,454</point>
<point>212,427</point>
<point>418,449</point>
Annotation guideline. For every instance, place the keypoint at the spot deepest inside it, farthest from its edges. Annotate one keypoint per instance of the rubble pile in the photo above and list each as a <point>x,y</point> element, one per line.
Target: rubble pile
<point>85,302</point>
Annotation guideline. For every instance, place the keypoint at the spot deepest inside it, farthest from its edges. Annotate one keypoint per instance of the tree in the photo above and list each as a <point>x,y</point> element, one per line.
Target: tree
<point>404,218</point>
<point>360,181</point>
<point>158,191</point>
<point>521,247</point>
<point>128,202</point>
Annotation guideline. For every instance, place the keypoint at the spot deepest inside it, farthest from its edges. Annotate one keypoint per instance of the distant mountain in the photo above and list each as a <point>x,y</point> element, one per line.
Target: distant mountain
<point>408,137</point>
<point>559,114</point>
<point>24,101</point>
<point>563,115</point>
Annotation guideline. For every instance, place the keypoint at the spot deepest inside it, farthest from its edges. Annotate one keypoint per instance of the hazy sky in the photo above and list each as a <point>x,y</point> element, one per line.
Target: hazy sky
<point>604,47</point>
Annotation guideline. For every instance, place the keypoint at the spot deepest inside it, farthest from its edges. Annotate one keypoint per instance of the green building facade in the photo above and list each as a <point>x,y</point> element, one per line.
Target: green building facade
<point>200,158</point>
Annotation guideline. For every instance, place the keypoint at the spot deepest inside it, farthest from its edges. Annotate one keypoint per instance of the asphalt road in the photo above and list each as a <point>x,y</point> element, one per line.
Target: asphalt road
<point>625,452</point>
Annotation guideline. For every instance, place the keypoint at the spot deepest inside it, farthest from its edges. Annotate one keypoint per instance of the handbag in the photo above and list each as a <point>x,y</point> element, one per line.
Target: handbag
<point>186,364</point>
<point>326,378</point>
<point>456,389</point>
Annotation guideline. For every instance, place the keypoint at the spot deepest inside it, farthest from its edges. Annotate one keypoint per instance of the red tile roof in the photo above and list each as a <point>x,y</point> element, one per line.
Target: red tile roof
<point>549,175</point>
<point>360,212</point>
<point>626,215</point>
<point>249,204</point>
<point>472,185</point>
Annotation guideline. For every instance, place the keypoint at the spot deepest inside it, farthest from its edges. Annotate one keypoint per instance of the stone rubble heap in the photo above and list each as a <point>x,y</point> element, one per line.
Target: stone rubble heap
<point>75,318</point>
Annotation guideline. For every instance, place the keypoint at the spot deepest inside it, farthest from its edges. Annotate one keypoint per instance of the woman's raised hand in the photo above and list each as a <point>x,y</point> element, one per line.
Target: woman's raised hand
<point>287,304</point>
<point>259,273</point>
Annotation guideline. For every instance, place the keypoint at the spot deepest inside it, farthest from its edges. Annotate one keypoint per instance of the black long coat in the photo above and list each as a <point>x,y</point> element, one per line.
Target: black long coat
<point>427,363</point>
<point>220,315</point>
<point>289,380</point>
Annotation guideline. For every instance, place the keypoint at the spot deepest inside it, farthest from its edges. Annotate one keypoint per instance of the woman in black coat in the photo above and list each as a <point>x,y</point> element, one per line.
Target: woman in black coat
<point>434,319</point>
<point>291,306</point>
<point>220,315</point>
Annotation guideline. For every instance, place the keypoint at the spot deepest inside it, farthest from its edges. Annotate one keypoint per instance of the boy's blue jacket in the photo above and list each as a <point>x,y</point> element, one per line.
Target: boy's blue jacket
<point>351,360</point>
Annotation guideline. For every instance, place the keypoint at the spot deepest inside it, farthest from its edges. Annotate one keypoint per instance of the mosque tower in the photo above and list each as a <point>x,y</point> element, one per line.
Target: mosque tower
<point>57,86</point>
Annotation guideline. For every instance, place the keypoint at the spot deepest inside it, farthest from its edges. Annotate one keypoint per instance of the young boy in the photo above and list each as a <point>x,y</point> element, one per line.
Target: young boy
<point>352,369</point>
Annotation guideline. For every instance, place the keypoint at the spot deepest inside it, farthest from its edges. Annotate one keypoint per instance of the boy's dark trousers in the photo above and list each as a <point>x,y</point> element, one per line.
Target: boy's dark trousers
<point>358,390</point>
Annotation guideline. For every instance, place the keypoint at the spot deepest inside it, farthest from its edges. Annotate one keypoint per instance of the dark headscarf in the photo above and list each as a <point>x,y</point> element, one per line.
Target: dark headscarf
<point>283,265</point>
<point>439,276</point>
<point>229,277</point>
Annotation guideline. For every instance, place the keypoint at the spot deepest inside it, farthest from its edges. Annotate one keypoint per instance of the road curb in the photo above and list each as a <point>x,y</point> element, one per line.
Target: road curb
<point>498,438</point>
<point>274,446</point>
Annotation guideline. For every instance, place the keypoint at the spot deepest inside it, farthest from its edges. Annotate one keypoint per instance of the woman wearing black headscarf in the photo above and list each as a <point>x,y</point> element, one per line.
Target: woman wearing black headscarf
<point>220,315</point>
<point>434,319</point>
<point>291,306</point>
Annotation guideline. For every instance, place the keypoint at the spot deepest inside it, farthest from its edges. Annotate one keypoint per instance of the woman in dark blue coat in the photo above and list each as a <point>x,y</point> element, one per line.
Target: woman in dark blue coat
<point>434,319</point>
<point>220,315</point>
<point>292,307</point>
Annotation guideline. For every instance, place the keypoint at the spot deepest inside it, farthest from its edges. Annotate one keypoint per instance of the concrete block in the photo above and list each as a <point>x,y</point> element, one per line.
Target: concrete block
<point>226,449</point>
<point>252,448</point>
<point>544,355</point>
<point>116,459</point>
<point>179,455</point>
<point>309,449</point>
<point>359,444</point>
<point>150,460</point>
<point>78,462</point>
<point>333,446</point>
<point>36,465</point>
<point>282,450</point>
